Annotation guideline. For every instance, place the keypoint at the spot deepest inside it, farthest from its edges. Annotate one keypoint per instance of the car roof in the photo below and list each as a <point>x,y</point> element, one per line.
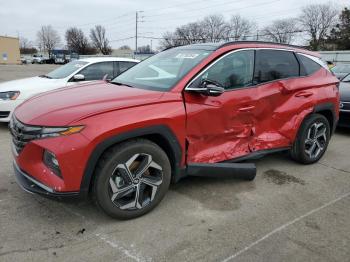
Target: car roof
<point>107,59</point>
<point>248,44</point>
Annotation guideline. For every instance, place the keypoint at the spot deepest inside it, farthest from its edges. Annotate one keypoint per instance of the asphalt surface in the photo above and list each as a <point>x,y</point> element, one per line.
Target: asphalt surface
<point>290,212</point>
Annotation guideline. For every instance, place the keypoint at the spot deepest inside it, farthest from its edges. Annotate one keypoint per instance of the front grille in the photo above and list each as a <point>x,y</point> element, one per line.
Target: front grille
<point>4,114</point>
<point>22,134</point>
<point>344,105</point>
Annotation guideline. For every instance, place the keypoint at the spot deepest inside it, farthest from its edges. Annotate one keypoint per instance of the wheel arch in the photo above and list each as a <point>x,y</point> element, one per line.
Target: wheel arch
<point>160,134</point>
<point>328,111</point>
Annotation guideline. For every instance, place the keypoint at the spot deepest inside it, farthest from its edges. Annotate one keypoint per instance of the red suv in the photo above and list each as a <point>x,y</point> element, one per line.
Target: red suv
<point>192,110</point>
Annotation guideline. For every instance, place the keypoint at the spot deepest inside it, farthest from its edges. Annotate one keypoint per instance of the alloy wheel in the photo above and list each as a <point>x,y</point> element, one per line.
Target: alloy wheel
<point>316,140</point>
<point>134,184</point>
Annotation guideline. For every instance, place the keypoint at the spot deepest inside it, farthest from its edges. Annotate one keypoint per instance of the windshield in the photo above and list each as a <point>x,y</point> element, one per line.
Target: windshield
<point>341,69</point>
<point>66,70</point>
<point>346,78</point>
<point>162,71</point>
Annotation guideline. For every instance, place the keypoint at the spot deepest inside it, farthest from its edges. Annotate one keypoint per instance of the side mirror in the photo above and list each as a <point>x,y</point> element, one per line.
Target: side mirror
<point>79,77</point>
<point>207,87</point>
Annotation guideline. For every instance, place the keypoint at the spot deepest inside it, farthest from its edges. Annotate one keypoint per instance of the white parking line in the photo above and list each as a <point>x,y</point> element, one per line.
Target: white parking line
<point>125,251</point>
<point>240,252</point>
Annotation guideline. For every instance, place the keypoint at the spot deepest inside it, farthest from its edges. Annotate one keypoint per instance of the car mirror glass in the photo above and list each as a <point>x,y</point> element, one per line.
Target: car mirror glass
<point>79,77</point>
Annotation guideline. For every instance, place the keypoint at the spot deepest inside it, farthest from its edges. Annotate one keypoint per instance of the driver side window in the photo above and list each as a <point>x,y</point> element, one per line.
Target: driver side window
<point>232,71</point>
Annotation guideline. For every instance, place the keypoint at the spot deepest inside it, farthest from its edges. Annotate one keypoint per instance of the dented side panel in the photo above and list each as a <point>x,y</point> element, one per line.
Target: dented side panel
<point>219,128</point>
<point>262,117</point>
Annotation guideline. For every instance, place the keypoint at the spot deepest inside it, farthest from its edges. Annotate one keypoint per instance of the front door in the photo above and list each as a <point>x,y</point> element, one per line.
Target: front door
<point>221,128</point>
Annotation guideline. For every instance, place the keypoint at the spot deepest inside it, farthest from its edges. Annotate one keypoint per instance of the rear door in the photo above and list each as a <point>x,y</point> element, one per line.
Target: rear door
<point>276,76</point>
<point>220,128</point>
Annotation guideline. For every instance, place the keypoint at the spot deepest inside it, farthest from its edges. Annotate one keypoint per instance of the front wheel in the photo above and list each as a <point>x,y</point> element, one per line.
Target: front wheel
<point>131,179</point>
<point>312,139</point>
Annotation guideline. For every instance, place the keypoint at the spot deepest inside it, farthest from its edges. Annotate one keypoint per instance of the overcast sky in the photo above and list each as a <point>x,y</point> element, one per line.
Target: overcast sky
<point>24,18</point>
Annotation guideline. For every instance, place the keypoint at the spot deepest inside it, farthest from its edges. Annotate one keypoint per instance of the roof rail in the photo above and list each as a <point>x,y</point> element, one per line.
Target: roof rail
<point>260,42</point>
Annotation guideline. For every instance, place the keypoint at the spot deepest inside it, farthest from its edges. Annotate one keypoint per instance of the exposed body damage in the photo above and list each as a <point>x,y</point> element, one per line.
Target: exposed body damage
<point>246,120</point>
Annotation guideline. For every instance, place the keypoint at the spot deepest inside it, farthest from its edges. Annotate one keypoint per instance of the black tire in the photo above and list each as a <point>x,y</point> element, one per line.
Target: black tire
<point>300,147</point>
<point>108,167</point>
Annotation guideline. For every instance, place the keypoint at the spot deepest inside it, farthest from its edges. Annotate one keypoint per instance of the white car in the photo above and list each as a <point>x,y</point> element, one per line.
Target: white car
<point>13,93</point>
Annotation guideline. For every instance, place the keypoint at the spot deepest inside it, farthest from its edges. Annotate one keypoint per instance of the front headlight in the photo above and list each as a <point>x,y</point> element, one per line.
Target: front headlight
<point>10,95</point>
<point>59,131</point>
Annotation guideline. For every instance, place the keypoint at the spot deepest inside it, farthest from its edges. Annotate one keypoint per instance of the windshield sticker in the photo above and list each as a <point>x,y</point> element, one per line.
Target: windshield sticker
<point>186,56</point>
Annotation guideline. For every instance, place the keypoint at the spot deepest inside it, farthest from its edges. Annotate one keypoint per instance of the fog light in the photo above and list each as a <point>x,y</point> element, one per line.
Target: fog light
<point>51,162</point>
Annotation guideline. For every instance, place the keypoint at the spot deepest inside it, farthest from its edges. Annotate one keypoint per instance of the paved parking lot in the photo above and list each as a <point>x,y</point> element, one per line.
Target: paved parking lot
<point>290,212</point>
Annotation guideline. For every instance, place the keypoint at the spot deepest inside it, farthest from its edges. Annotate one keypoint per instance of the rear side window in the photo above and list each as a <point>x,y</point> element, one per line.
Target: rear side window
<point>307,65</point>
<point>123,66</point>
<point>274,64</point>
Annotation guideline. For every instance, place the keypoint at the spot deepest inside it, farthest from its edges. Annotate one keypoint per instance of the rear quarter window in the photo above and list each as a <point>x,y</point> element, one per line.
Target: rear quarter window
<point>307,65</point>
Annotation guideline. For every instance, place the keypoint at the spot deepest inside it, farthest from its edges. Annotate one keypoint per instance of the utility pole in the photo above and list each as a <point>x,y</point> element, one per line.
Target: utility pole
<point>137,18</point>
<point>136,28</point>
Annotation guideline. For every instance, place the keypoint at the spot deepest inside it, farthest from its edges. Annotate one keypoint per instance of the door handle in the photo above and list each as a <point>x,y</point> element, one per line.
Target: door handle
<point>304,94</point>
<point>246,109</point>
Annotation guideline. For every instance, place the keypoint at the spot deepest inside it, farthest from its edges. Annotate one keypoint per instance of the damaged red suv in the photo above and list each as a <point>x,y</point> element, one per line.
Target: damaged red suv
<point>192,110</point>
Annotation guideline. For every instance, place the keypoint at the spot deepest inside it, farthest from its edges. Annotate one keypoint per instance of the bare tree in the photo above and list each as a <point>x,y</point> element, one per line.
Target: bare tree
<point>281,31</point>
<point>24,43</point>
<point>215,28</point>
<point>48,38</point>
<point>99,40</point>
<point>26,46</point>
<point>210,29</point>
<point>190,34</point>
<point>239,27</point>
<point>146,49</point>
<point>78,42</point>
<point>125,47</point>
<point>317,21</point>
<point>187,34</point>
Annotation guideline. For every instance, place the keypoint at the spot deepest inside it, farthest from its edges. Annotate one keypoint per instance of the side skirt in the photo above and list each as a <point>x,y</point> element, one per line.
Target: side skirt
<point>230,168</point>
<point>245,171</point>
<point>257,155</point>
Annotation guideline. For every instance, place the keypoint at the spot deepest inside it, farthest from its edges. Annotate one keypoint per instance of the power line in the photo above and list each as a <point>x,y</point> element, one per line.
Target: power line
<point>219,38</point>
<point>236,9</point>
<point>199,9</point>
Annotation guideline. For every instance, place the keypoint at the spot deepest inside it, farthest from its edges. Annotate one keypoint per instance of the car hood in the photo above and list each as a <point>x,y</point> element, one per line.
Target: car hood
<point>344,89</point>
<point>65,106</point>
<point>31,85</point>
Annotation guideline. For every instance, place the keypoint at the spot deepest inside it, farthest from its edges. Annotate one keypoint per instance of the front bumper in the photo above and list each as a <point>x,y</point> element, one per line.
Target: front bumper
<point>31,185</point>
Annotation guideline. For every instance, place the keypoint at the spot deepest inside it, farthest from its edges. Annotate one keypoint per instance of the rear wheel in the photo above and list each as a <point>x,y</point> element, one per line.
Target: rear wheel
<point>131,179</point>
<point>312,139</point>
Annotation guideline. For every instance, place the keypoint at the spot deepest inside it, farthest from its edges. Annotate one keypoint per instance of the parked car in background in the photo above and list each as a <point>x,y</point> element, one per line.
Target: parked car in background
<point>38,59</point>
<point>341,70</point>
<point>181,112</point>
<point>344,116</point>
<point>13,93</point>
<point>73,56</point>
<point>24,60</point>
<point>60,59</point>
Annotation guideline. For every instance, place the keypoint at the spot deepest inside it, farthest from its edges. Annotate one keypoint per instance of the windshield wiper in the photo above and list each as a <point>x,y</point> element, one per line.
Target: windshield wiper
<point>120,84</point>
<point>45,76</point>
